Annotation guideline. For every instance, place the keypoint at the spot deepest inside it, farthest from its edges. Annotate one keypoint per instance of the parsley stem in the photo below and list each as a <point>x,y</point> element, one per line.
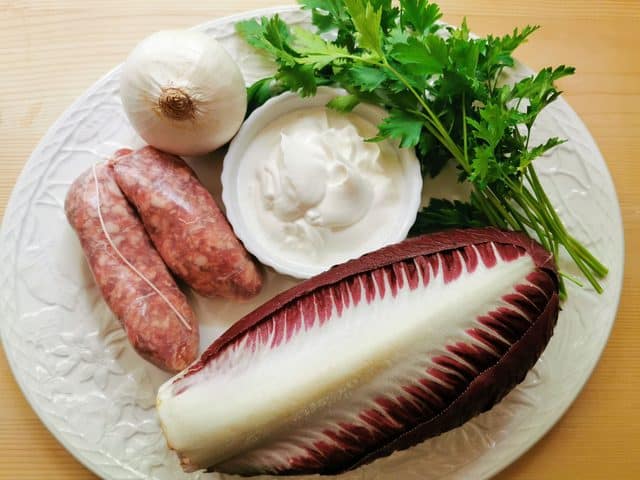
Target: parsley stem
<point>496,203</point>
<point>570,243</point>
<point>534,221</point>
<point>464,128</point>
<point>545,236</point>
<point>598,267</point>
<point>572,279</point>
<point>482,205</point>
<point>543,214</point>
<point>432,117</point>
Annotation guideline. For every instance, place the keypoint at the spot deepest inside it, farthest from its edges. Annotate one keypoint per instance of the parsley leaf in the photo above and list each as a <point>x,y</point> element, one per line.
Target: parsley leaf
<point>420,15</point>
<point>300,79</point>
<point>530,155</point>
<point>367,78</point>
<point>271,35</point>
<point>331,15</point>
<point>401,126</point>
<point>417,56</point>
<point>442,214</point>
<point>366,20</point>
<point>316,51</point>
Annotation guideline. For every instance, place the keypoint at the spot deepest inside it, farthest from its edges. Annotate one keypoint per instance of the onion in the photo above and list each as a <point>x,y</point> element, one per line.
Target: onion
<point>183,93</point>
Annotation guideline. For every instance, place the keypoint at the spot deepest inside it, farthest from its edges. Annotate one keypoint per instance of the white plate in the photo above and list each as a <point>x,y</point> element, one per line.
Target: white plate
<point>92,391</point>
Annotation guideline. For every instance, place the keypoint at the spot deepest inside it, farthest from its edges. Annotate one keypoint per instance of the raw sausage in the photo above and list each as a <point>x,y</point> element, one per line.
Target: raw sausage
<point>185,224</point>
<point>162,330</point>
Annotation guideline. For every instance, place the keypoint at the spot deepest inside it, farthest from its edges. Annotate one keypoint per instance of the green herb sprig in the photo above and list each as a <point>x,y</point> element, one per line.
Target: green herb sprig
<point>446,96</point>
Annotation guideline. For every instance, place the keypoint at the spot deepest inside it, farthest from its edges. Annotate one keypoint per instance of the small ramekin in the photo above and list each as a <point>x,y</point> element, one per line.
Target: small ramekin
<point>272,110</point>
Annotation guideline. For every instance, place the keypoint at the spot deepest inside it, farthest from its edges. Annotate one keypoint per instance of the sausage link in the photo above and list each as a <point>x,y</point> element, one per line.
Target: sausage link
<point>166,339</point>
<point>186,226</point>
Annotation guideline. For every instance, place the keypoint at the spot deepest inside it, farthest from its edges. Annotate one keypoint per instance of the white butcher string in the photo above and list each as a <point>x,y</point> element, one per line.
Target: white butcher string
<point>126,262</point>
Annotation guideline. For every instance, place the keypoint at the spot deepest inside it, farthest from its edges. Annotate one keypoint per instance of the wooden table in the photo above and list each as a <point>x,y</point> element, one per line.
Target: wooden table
<point>52,50</point>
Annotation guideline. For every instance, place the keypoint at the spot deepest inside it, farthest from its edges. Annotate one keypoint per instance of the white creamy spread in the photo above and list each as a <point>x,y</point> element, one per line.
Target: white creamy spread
<point>317,191</point>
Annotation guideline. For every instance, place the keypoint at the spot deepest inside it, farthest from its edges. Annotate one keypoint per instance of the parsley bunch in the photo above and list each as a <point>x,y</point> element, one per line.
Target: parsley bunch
<point>446,97</point>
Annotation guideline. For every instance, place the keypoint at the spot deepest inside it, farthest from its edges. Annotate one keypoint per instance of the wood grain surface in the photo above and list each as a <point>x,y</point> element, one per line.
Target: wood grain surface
<point>52,50</point>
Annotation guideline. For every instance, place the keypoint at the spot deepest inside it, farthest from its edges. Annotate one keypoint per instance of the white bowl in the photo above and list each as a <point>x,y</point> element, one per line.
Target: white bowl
<point>272,110</point>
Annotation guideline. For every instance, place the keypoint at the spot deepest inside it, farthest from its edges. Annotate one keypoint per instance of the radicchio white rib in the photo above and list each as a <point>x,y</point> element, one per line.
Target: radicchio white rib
<point>373,356</point>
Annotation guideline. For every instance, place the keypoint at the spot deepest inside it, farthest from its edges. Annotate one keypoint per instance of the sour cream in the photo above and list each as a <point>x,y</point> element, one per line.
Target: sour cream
<point>316,194</point>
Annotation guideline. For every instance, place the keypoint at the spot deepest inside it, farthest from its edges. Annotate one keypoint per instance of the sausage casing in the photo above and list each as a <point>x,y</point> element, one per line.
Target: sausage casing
<point>186,226</point>
<point>156,331</point>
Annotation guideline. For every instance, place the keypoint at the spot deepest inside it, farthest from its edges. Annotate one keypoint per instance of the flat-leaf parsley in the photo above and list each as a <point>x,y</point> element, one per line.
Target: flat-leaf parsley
<point>446,96</point>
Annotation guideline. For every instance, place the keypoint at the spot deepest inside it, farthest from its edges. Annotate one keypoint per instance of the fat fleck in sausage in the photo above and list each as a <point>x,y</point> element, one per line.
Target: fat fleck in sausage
<point>186,226</point>
<point>132,278</point>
